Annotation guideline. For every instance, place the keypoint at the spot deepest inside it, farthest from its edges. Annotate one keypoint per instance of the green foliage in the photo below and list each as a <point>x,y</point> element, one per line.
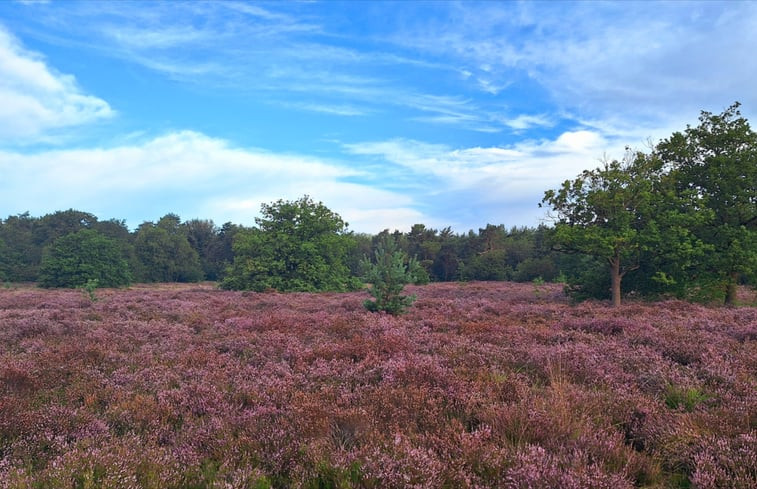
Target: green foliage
<point>331,477</point>
<point>76,259</point>
<point>531,268</point>
<point>212,244</point>
<point>489,265</point>
<point>587,279</point>
<point>22,256</point>
<point>388,274</point>
<point>686,399</point>
<point>4,260</point>
<point>298,246</point>
<point>716,167</point>
<point>605,213</point>
<point>164,253</point>
<point>61,223</point>
<point>639,221</point>
<point>89,289</point>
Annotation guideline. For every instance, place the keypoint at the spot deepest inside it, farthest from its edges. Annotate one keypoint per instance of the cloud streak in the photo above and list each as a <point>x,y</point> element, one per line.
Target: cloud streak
<point>619,60</point>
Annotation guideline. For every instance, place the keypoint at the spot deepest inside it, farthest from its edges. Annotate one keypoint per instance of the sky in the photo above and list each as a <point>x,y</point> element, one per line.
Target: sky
<point>446,113</point>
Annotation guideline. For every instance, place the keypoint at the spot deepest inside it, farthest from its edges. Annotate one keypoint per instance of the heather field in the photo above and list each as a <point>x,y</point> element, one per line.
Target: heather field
<point>479,385</point>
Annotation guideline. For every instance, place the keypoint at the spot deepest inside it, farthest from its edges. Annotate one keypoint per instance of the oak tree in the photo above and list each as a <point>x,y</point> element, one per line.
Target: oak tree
<point>716,166</point>
<point>602,213</point>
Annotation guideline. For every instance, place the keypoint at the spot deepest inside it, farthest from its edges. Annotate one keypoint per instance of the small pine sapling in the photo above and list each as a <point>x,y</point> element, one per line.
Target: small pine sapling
<point>388,274</point>
<point>89,289</point>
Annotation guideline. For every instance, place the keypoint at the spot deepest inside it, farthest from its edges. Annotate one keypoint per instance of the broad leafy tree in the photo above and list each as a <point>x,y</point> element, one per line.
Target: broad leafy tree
<point>85,256</point>
<point>60,223</point>
<point>297,246</point>
<point>716,166</point>
<point>604,213</point>
<point>164,253</point>
<point>22,256</point>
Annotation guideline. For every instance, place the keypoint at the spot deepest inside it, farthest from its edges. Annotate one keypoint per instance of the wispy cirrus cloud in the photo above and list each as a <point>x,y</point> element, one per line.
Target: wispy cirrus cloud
<point>325,108</point>
<point>36,100</point>
<point>604,60</point>
<point>264,49</point>
<point>522,96</point>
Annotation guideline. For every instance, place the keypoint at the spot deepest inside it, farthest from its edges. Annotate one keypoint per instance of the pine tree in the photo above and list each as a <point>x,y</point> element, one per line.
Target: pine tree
<point>388,274</point>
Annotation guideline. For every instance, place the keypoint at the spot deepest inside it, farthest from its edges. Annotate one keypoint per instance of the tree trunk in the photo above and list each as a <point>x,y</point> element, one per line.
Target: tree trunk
<point>616,278</point>
<point>731,289</point>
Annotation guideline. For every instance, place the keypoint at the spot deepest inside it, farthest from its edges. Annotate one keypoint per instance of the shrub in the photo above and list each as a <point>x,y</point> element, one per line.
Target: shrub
<point>298,246</point>
<point>78,258</point>
<point>388,276</point>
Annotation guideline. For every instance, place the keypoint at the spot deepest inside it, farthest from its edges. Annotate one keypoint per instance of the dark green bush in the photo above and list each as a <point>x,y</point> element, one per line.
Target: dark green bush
<point>79,258</point>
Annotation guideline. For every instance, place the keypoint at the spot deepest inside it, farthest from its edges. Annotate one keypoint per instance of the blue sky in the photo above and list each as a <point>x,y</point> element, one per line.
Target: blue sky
<point>391,113</point>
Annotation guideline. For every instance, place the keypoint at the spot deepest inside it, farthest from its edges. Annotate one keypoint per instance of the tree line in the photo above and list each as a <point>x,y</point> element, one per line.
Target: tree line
<point>295,246</point>
<point>679,220</point>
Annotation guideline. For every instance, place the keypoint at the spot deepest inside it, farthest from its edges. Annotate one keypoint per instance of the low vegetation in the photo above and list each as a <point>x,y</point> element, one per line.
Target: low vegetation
<point>478,385</point>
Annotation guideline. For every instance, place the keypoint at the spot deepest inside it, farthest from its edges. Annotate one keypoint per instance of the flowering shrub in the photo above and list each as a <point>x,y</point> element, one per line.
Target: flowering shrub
<point>478,385</point>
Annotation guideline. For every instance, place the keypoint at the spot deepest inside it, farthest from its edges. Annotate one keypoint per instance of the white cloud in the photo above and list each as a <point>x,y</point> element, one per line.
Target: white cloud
<point>324,108</point>
<point>491,184</point>
<point>35,99</point>
<point>167,37</point>
<point>193,175</point>
<point>526,121</point>
<point>621,60</point>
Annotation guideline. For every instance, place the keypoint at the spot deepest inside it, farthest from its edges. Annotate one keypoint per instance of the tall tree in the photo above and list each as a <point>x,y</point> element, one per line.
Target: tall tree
<point>164,253</point>
<point>716,164</point>
<point>204,237</point>
<point>60,223</point>
<point>603,213</point>
<point>297,246</point>
<point>488,257</point>
<point>4,260</point>
<point>447,264</point>
<point>23,255</point>
<point>423,246</point>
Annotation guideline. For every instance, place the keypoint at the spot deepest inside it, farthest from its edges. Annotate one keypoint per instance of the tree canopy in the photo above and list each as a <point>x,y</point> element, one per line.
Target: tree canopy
<point>77,258</point>
<point>679,220</point>
<point>164,253</point>
<point>716,165</point>
<point>603,213</point>
<point>297,246</point>
<point>682,218</point>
